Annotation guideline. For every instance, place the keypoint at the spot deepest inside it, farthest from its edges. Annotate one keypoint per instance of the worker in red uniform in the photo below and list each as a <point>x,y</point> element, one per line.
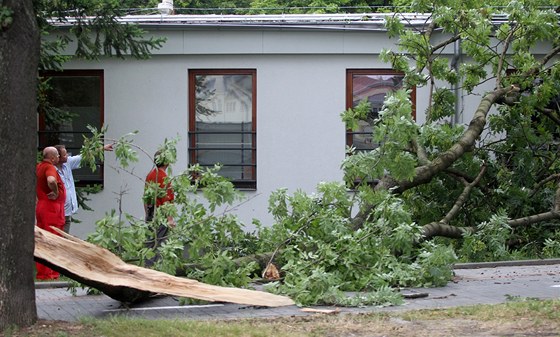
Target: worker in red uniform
<point>157,192</point>
<point>51,196</point>
<point>164,190</point>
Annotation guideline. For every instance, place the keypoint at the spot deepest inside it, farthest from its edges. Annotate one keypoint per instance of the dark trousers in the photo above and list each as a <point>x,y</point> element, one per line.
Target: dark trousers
<point>67,222</point>
<point>155,242</point>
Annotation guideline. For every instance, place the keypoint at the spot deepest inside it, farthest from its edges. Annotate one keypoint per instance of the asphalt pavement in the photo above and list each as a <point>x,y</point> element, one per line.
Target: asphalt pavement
<point>486,283</point>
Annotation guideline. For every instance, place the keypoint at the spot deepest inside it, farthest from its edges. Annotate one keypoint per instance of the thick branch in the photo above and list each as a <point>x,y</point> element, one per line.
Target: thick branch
<point>425,173</point>
<point>543,182</point>
<point>443,229</point>
<point>97,267</point>
<point>532,219</point>
<point>463,197</point>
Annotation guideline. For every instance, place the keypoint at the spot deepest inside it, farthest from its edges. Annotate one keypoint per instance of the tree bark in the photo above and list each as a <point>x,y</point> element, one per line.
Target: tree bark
<point>19,57</point>
<point>99,268</point>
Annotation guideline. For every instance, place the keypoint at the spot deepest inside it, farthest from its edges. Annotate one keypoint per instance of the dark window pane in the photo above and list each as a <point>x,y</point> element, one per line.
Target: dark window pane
<point>74,101</point>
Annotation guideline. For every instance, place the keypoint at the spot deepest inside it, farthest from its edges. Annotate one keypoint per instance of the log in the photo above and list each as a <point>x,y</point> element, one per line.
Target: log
<point>98,268</point>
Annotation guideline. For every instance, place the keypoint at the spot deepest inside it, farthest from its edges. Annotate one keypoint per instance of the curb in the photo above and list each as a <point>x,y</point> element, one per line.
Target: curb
<point>517,263</point>
<point>51,284</point>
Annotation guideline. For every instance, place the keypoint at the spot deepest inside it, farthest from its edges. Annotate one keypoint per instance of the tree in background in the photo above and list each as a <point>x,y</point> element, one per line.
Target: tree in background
<point>22,53</point>
<point>266,6</point>
<point>19,56</point>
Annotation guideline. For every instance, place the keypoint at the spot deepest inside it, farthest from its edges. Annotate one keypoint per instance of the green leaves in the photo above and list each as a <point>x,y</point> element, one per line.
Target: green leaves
<point>352,116</point>
<point>92,149</point>
<point>6,17</point>
<point>324,258</point>
<point>394,26</point>
<point>443,104</point>
<point>95,29</point>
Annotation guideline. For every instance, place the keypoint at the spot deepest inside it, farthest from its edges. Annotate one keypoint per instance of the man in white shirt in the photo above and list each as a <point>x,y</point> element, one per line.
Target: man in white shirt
<point>64,167</point>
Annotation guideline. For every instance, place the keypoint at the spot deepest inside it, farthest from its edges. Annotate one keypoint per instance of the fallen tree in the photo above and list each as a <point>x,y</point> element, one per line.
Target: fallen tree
<point>100,269</point>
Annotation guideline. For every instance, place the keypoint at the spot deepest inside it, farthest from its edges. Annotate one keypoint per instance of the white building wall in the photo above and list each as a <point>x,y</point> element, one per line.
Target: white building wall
<point>301,91</point>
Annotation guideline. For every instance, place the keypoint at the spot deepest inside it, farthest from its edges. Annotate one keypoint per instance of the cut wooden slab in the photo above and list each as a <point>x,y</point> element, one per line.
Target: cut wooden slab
<point>98,268</point>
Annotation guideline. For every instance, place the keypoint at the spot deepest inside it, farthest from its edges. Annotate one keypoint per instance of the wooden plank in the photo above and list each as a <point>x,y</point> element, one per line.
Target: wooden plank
<point>99,268</point>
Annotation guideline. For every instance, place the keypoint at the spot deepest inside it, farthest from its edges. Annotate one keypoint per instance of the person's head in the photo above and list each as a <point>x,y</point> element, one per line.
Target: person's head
<point>50,154</point>
<point>61,149</point>
<point>160,160</point>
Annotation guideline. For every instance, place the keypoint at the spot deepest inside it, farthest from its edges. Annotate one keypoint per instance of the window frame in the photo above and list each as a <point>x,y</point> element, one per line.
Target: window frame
<point>350,94</point>
<point>41,129</point>
<point>248,184</point>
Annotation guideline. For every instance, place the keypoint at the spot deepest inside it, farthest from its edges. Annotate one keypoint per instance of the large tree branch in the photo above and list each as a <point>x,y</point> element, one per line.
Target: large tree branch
<point>99,268</point>
<point>547,216</point>
<point>425,173</point>
<point>442,229</point>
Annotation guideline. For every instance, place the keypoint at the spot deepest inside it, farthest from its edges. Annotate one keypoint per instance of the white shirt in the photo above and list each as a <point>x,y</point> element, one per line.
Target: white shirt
<point>65,172</point>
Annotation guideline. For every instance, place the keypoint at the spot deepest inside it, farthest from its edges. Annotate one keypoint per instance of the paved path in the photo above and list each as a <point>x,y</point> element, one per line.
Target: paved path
<point>486,285</point>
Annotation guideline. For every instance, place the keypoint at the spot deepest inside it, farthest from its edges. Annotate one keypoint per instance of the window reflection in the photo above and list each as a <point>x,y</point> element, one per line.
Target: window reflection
<point>224,130</point>
<point>373,86</point>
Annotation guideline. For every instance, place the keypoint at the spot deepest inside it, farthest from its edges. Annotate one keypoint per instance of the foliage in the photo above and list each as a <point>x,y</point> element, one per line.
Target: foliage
<point>199,237</point>
<point>321,256</point>
<point>94,28</point>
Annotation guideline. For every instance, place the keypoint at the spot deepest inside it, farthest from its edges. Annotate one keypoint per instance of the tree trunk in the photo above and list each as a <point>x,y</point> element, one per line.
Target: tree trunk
<point>19,57</point>
<point>99,268</point>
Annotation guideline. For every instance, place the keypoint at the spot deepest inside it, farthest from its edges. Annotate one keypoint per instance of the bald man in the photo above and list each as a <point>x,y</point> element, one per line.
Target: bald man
<point>51,196</point>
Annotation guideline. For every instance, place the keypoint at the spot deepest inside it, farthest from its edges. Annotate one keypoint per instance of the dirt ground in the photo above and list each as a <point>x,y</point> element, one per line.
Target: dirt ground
<point>350,325</point>
<point>395,325</point>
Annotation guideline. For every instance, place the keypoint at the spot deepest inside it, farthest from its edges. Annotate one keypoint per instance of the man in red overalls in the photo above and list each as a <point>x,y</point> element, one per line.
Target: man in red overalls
<point>51,196</point>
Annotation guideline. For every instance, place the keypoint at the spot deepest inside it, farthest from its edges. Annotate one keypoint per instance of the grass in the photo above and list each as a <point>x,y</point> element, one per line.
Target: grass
<point>520,317</point>
<point>515,308</point>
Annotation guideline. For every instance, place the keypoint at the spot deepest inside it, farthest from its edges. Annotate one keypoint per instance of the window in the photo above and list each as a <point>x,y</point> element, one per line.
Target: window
<point>373,85</point>
<point>78,95</point>
<point>222,122</point>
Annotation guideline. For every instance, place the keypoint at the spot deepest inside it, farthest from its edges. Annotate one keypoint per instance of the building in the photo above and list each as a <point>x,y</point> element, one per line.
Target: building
<point>261,94</point>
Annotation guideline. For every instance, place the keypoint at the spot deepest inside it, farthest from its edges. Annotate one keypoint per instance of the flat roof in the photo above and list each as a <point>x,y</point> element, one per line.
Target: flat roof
<point>361,21</point>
